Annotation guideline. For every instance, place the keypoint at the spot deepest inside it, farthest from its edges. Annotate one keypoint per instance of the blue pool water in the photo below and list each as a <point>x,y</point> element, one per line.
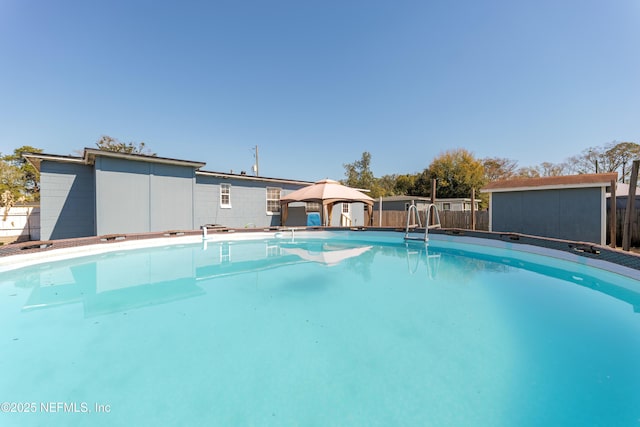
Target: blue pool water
<point>318,333</point>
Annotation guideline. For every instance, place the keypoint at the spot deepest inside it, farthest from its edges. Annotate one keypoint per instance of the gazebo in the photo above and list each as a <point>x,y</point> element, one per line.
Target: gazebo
<point>327,192</point>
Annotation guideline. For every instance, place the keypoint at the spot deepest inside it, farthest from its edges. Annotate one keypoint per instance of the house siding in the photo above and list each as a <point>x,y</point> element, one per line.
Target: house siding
<point>248,203</point>
<point>356,213</point>
<point>136,196</point>
<point>171,197</point>
<point>571,214</point>
<point>106,194</point>
<point>67,201</point>
<point>400,205</point>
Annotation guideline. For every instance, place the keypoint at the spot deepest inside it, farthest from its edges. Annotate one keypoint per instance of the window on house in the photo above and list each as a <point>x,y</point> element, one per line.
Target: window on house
<point>225,195</point>
<point>446,206</point>
<point>273,201</point>
<point>313,207</point>
<point>467,206</point>
<point>346,208</point>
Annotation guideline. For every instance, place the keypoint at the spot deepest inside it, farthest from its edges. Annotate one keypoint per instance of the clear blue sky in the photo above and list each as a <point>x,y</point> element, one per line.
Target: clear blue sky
<point>316,83</point>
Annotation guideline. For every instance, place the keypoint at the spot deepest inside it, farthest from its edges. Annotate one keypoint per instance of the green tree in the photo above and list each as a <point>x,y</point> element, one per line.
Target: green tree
<point>359,173</point>
<point>384,186</point>
<point>19,176</point>
<point>107,143</point>
<point>11,180</point>
<point>421,185</point>
<point>457,172</point>
<point>405,183</point>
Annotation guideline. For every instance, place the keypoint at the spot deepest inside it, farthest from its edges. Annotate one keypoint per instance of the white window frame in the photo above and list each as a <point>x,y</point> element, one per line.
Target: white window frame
<point>272,189</point>
<point>446,206</point>
<point>346,211</point>
<point>228,194</point>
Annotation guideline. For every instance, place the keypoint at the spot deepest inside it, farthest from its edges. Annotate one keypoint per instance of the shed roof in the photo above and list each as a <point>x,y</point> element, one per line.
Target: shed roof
<point>551,182</point>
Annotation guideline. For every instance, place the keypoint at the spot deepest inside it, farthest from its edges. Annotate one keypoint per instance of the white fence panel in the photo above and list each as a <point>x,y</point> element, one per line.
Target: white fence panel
<point>21,223</point>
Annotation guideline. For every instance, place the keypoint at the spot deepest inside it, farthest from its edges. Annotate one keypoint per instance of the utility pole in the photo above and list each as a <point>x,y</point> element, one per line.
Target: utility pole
<point>256,166</point>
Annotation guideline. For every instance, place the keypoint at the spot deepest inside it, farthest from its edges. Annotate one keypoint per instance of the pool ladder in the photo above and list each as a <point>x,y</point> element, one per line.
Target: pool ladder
<point>436,223</point>
<point>414,256</point>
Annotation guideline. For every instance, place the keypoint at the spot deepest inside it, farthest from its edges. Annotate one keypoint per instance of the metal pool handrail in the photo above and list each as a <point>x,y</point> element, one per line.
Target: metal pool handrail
<point>436,224</point>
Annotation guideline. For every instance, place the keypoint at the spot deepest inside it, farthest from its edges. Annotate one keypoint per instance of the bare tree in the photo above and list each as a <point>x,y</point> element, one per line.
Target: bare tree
<point>107,143</point>
<point>552,169</point>
<point>621,155</point>
<point>496,168</point>
<point>528,172</point>
<point>612,157</point>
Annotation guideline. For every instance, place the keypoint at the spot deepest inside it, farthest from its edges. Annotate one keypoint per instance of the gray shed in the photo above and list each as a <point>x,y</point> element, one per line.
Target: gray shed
<point>569,207</point>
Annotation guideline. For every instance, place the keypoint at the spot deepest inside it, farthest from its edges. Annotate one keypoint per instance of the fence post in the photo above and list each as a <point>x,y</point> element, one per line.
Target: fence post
<point>626,231</point>
<point>433,201</point>
<point>613,221</point>
<point>473,208</point>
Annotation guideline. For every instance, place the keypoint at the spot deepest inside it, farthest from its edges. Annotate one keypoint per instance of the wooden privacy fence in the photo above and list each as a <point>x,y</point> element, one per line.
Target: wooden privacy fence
<point>448,219</point>
<point>635,229</point>
<point>462,219</point>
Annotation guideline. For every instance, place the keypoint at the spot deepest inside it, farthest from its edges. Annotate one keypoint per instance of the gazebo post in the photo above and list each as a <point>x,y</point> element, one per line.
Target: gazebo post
<point>324,214</point>
<point>284,207</point>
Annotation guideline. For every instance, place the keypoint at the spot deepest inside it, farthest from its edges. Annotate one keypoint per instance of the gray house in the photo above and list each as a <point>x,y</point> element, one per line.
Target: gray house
<point>103,193</point>
<point>106,193</point>
<point>563,207</point>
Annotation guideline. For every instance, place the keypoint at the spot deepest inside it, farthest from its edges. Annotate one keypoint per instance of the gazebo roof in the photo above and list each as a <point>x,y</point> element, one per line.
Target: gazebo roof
<point>327,191</point>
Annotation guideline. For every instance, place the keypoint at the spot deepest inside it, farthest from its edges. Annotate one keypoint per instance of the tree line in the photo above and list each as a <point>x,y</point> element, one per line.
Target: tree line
<point>458,171</point>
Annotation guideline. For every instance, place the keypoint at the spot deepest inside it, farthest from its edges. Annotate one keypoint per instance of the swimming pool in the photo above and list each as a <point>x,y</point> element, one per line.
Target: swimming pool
<point>347,329</point>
